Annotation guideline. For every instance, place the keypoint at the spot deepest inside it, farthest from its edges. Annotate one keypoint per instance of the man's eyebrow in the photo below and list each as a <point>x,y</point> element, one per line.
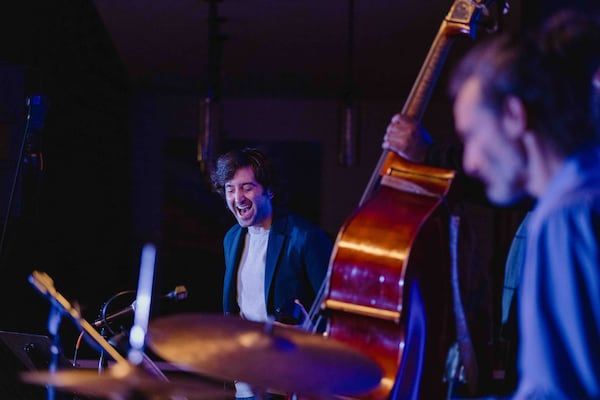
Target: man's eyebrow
<point>242,184</point>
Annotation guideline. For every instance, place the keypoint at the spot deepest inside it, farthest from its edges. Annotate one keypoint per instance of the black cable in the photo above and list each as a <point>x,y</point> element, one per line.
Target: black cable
<point>105,324</point>
<point>104,308</point>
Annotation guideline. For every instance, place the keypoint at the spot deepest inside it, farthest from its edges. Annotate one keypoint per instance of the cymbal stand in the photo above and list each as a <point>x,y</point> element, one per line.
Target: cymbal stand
<point>102,361</point>
<point>54,320</point>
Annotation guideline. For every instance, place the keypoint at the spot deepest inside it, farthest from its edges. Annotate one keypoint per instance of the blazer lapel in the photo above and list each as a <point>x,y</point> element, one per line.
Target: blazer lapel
<point>276,240</point>
<point>232,257</point>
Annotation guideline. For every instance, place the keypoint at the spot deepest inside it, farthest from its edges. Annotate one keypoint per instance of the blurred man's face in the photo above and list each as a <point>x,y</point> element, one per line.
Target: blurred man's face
<point>491,153</point>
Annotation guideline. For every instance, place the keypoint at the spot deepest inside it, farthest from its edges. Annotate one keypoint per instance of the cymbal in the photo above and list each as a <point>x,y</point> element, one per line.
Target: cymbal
<point>122,381</point>
<point>271,357</point>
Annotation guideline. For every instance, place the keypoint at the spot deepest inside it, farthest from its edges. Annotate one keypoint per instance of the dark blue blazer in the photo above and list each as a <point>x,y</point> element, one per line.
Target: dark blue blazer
<point>298,255</point>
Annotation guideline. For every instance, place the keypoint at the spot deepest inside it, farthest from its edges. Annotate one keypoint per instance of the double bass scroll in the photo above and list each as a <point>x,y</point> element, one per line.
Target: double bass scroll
<point>398,236</point>
<point>461,20</point>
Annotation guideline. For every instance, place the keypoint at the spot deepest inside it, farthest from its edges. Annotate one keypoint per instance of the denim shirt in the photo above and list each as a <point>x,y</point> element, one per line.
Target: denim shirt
<point>559,298</point>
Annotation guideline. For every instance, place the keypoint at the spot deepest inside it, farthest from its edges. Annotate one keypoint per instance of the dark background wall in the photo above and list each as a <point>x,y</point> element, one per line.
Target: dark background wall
<point>123,119</point>
<point>71,219</point>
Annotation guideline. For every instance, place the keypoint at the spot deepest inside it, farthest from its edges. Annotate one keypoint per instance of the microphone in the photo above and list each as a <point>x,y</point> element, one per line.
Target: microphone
<point>179,293</point>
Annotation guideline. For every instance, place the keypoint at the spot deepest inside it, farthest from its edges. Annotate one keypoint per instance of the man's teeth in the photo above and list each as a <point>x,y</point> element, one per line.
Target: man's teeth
<point>243,210</point>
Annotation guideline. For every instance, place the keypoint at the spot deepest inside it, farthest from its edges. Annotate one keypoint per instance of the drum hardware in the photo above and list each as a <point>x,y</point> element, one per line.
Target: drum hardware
<point>128,377</point>
<point>273,357</point>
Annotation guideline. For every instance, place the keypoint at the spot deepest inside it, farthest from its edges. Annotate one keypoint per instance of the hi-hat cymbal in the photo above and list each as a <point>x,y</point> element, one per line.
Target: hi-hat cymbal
<point>275,357</point>
<point>123,381</point>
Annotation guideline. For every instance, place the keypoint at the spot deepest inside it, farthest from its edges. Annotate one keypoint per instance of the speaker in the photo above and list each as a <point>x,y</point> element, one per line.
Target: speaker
<point>21,352</point>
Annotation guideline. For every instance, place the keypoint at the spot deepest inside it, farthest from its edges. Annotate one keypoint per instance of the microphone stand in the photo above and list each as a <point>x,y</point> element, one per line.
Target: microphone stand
<point>33,125</point>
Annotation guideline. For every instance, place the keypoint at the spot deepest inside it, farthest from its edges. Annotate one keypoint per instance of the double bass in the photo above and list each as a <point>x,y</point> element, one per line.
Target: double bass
<point>395,248</point>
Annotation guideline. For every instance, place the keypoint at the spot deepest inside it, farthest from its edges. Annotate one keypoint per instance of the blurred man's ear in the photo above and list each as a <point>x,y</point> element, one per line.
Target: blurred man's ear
<point>515,117</point>
<point>596,79</point>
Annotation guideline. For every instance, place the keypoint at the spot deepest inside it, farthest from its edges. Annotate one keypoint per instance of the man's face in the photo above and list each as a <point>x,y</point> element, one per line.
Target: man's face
<point>492,150</point>
<point>247,199</point>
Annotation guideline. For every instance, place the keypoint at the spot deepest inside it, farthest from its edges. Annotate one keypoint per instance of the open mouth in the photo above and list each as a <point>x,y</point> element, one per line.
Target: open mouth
<point>243,210</point>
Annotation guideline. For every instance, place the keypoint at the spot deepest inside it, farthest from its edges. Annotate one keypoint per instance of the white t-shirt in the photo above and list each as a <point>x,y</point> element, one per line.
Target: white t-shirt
<point>251,275</point>
<point>251,285</point>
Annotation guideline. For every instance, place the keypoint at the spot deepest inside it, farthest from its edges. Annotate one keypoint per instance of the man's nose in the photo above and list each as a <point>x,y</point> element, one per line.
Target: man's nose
<point>238,195</point>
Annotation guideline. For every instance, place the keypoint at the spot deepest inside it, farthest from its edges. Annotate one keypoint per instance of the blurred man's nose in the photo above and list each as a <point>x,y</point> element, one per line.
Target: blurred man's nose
<point>469,161</point>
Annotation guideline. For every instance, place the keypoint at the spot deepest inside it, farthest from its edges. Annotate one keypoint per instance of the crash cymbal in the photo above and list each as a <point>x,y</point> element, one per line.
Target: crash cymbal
<point>123,381</point>
<point>275,357</point>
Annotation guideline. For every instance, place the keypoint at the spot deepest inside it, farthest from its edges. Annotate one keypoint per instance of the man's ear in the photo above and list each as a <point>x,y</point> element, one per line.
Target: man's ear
<point>514,119</point>
<point>270,194</point>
